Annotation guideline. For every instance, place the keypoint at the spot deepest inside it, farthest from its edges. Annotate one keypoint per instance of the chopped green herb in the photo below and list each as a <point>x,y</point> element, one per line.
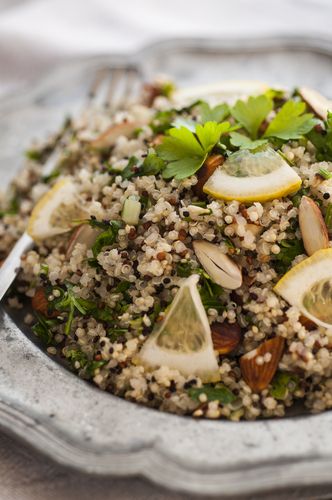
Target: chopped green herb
<point>284,383</point>
<point>201,204</point>
<point>43,328</point>
<point>229,242</point>
<point>219,393</point>
<point>184,269</point>
<point>156,311</point>
<point>102,224</point>
<point>106,238</point>
<point>71,304</point>
<point>34,154</point>
<point>167,89</point>
<point>210,293</point>
<point>275,94</point>
<point>162,121</point>
<point>328,217</point>
<point>89,366</point>
<point>13,207</point>
<point>322,140</point>
<point>326,174</point>
<point>129,171</point>
<point>122,287</point>
<point>251,113</point>
<point>53,175</point>
<point>44,269</point>
<point>291,122</point>
<point>114,333</point>
<point>296,199</point>
<point>75,355</point>
<point>289,249</point>
<point>151,165</point>
<point>92,366</point>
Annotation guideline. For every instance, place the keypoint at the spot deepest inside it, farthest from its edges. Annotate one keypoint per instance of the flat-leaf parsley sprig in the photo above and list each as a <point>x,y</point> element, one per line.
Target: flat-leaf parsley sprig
<point>290,122</point>
<point>185,151</point>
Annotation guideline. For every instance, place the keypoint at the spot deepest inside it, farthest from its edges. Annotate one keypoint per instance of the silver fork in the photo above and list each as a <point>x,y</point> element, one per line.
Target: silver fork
<point>111,88</point>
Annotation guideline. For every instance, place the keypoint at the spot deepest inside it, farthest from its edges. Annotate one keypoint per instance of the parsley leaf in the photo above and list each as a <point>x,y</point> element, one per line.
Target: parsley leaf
<point>216,114</point>
<point>291,122</point>
<point>151,165</point>
<point>243,142</point>
<point>220,393</point>
<point>328,217</point>
<point>283,383</point>
<point>106,238</point>
<point>251,113</point>
<point>289,249</point>
<point>13,207</point>
<point>162,121</point>
<point>185,152</point>
<point>323,141</point>
<point>89,366</point>
<point>43,328</point>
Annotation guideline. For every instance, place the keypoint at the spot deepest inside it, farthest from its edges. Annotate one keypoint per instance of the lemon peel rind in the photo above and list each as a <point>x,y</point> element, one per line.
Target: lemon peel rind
<point>307,268</point>
<point>202,363</point>
<point>41,205</point>
<point>292,189</point>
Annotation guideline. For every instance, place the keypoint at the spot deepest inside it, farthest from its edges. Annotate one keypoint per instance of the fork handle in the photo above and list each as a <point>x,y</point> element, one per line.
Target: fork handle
<point>11,265</point>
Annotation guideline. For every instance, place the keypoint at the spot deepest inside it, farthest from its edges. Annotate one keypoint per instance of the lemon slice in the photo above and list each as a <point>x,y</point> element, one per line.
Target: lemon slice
<point>183,341</point>
<point>253,176</point>
<point>56,211</point>
<point>227,90</point>
<point>308,286</point>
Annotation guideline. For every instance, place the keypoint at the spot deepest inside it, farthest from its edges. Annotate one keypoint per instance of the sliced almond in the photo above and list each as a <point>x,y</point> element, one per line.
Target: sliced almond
<point>206,171</point>
<point>258,369</point>
<point>109,137</point>
<point>307,323</point>
<point>195,211</point>
<point>316,101</point>
<point>221,269</point>
<point>225,336</point>
<point>313,228</point>
<point>84,234</point>
<point>40,303</point>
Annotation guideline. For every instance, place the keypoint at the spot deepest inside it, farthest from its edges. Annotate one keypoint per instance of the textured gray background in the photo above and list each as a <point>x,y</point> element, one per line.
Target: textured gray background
<point>36,33</point>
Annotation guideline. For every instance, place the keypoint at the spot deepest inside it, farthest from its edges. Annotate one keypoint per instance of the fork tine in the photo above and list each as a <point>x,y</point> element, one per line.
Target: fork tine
<point>113,87</point>
<point>116,75</point>
<point>128,89</point>
<point>101,74</point>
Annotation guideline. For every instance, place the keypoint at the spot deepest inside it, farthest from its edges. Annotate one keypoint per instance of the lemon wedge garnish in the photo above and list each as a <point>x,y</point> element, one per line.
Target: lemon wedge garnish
<point>183,341</point>
<point>249,176</point>
<point>308,286</point>
<point>226,90</point>
<point>56,211</point>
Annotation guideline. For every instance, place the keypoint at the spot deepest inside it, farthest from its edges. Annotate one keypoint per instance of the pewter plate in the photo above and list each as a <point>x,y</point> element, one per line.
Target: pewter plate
<point>80,426</point>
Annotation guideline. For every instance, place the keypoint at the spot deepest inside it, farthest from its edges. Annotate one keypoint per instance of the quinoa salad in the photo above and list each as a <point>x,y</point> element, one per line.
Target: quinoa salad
<point>182,255</point>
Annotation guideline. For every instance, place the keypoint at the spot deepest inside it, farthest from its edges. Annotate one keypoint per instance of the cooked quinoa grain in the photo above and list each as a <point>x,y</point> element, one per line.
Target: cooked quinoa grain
<point>105,288</point>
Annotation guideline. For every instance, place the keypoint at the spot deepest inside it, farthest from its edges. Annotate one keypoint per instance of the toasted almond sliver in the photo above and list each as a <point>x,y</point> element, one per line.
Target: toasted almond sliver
<point>84,234</point>
<point>313,228</point>
<point>316,101</point>
<point>109,137</point>
<point>258,376</point>
<point>225,336</point>
<point>219,266</point>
